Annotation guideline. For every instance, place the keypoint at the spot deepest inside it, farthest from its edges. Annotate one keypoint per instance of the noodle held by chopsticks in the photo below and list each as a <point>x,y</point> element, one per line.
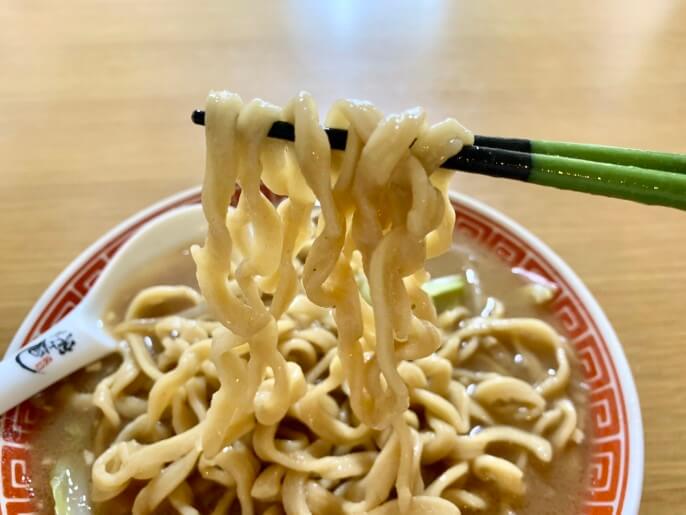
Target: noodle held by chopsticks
<point>304,397</point>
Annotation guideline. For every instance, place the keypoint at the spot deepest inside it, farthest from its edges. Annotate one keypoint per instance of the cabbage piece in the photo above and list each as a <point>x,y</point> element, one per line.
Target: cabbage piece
<point>69,484</point>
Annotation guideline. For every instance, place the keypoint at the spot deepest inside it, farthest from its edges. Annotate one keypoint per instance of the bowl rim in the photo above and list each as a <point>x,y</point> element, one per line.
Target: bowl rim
<point>627,388</point>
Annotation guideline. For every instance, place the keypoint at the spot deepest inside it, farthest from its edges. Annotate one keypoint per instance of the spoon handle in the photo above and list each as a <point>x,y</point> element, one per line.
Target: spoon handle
<point>66,347</point>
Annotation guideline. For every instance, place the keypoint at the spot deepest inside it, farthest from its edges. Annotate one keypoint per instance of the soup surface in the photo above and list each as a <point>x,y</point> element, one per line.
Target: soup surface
<point>67,432</point>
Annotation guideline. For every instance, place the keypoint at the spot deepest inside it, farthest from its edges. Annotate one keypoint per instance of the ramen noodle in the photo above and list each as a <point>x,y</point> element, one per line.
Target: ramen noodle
<point>312,372</point>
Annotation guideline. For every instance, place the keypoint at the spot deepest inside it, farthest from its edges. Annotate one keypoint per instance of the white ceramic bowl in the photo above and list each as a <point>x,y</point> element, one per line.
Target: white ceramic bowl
<point>616,467</point>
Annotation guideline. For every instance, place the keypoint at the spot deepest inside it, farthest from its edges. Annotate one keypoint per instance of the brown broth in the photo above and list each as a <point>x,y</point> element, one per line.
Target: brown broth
<point>553,489</point>
<point>557,488</point>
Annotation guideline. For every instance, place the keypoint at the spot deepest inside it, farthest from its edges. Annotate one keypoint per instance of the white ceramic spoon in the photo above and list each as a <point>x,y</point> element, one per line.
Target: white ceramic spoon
<point>80,338</point>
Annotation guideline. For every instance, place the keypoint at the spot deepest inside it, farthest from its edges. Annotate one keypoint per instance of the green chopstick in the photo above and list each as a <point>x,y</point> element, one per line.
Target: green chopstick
<point>664,161</point>
<point>648,186</point>
<point>657,178</point>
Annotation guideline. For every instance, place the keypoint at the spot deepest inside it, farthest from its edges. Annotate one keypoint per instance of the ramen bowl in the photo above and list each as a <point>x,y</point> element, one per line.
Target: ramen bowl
<point>615,470</point>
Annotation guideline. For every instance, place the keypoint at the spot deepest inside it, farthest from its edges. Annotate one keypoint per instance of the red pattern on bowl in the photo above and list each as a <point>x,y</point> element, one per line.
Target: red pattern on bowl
<point>617,436</point>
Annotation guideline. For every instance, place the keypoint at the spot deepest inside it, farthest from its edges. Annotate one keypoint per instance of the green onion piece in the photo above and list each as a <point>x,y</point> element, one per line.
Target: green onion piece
<point>445,291</point>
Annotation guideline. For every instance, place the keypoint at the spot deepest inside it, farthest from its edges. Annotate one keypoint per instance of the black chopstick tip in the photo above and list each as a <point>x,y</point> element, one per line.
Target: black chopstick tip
<point>198,117</point>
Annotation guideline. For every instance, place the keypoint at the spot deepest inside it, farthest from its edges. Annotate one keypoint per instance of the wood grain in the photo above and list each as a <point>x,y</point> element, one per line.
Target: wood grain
<point>95,97</point>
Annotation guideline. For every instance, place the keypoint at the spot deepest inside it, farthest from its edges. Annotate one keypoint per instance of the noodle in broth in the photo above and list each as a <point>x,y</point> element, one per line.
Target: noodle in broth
<point>281,387</point>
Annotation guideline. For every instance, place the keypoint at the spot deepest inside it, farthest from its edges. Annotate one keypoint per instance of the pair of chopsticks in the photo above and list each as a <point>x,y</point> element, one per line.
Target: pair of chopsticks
<point>644,176</point>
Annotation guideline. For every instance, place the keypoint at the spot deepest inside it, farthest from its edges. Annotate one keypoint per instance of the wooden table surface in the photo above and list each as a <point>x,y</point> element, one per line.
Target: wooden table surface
<point>95,97</point>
